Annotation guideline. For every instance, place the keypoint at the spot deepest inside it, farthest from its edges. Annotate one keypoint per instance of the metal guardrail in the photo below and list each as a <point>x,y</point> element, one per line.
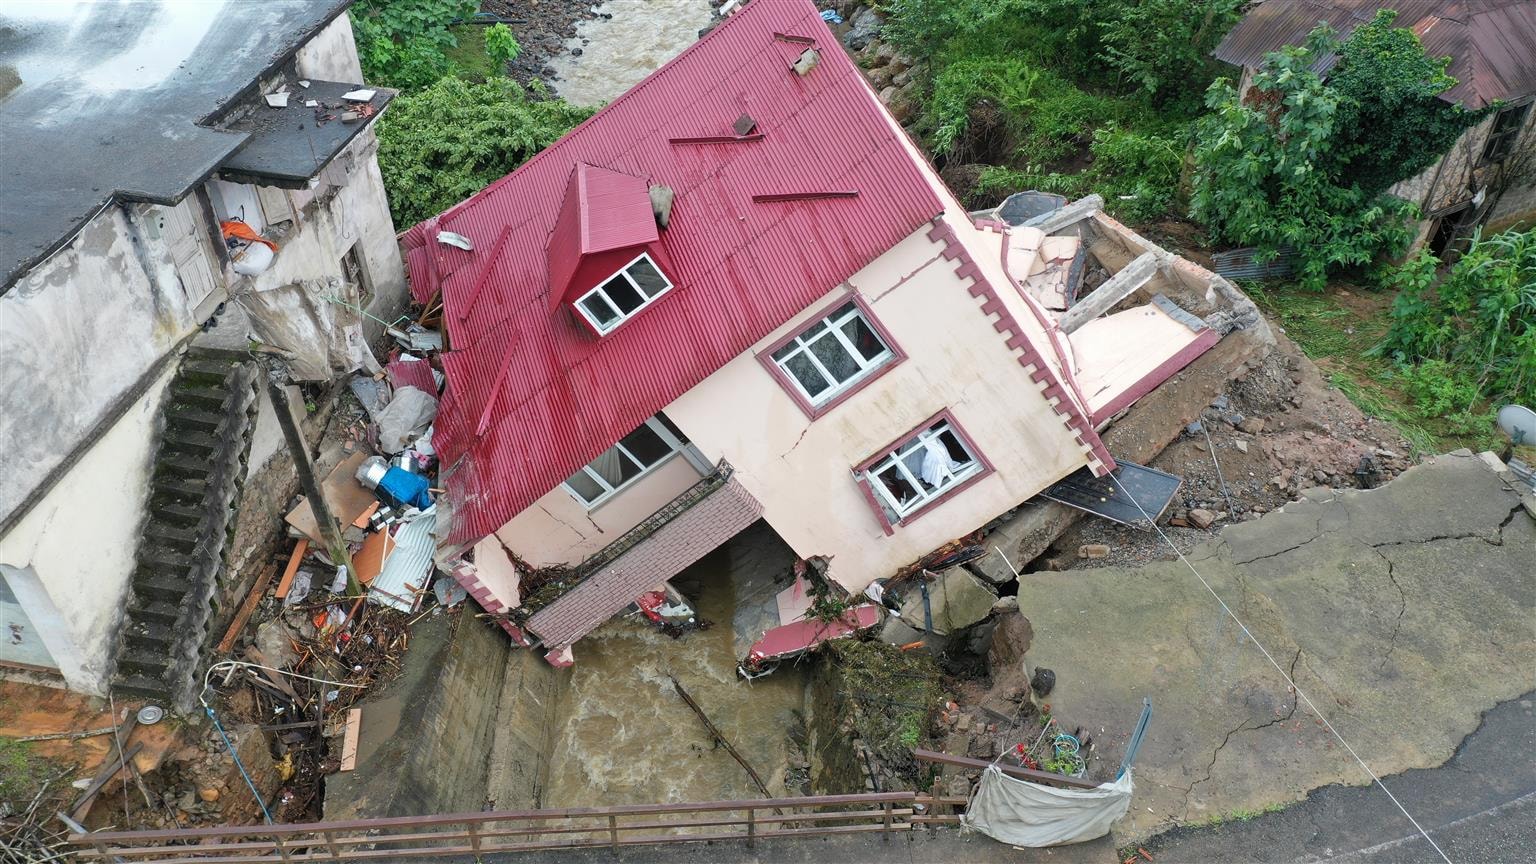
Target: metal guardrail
<point>475,834</point>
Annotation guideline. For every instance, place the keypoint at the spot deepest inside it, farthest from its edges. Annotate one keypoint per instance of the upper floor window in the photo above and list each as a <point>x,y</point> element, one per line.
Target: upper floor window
<point>834,355</point>
<point>633,288</point>
<point>1505,132</point>
<point>921,469</point>
<point>635,455</point>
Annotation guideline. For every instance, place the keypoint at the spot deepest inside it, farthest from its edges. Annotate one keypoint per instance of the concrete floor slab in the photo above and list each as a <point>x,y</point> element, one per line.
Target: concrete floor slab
<point>1401,611</point>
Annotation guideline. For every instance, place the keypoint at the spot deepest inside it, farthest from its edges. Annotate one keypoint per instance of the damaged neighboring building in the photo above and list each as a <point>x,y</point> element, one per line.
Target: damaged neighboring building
<point>740,292</point>
<point>1488,176</point>
<point>180,178</point>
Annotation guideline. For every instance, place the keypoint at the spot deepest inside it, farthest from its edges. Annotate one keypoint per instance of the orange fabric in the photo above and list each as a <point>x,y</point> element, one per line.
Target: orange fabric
<point>241,231</point>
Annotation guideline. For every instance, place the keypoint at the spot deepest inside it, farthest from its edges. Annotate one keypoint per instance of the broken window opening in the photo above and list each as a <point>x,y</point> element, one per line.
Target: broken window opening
<point>353,271</point>
<point>832,355</point>
<point>635,455</point>
<point>921,470</point>
<point>637,285</point>
<point>1507,125</point>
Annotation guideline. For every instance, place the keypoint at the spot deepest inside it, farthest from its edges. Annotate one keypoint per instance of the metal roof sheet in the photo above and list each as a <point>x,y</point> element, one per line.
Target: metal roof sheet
<point>532,395</point>
<point>1491,43</point>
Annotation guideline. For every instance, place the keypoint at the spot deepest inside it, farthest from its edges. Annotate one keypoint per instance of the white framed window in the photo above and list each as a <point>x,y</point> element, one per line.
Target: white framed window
<point>635,455</point>
<point>634,287</point>
<point>921,469</point>
<point>833,354</point>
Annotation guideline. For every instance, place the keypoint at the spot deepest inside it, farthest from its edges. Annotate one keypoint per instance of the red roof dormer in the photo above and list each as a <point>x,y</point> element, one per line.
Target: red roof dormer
<point>605,255</point>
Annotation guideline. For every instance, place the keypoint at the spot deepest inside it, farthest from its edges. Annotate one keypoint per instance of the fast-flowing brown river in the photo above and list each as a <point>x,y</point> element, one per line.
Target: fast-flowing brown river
<point>629,738</point>
<point>619,51</point>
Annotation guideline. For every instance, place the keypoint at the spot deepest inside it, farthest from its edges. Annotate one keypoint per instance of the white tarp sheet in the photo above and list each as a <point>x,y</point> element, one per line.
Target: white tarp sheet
<point>1022,813</point>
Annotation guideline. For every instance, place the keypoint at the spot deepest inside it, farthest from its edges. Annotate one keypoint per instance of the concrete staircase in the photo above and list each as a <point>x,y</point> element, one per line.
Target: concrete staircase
<point>206,425</point>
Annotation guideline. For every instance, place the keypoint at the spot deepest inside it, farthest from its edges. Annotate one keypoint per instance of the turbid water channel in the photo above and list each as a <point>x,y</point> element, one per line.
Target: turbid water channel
<point>608,55</point>
<point>628,738</point>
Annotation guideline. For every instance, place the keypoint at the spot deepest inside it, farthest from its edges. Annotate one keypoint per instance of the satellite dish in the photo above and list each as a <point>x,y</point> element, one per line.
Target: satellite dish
<point>1519,423</point>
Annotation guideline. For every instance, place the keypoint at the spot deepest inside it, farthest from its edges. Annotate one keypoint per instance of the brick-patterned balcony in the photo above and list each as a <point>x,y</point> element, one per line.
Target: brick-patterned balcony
<point>679,533</point>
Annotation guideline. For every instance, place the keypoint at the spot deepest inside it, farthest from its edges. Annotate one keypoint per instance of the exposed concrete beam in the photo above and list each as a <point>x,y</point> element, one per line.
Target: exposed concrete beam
<point>1075,212</point>
<point>1118,287</point>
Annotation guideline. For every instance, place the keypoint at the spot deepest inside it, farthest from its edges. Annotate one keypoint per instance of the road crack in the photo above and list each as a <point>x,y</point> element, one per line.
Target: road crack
<point>1402,608</point>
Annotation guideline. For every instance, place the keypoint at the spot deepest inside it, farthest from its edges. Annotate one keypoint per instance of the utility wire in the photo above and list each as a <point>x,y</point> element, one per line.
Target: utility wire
<point>1300,694</point>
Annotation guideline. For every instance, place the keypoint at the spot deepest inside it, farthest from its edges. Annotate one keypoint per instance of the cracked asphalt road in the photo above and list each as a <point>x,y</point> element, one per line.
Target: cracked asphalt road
<point>1403,612</point>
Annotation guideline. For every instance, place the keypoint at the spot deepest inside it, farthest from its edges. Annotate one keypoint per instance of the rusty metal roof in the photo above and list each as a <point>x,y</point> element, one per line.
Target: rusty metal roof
<point>531,394</point>
<point>1491,43</point>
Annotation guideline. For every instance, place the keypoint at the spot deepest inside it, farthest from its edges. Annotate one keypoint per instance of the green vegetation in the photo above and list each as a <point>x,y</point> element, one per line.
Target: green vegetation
<point>450,140</point>
<point>1464,340</point>
<point>20,773</point>
<point>895,693</point>
<point>405,43</point>
<point>1019,88</point>
<point>1302,163</point>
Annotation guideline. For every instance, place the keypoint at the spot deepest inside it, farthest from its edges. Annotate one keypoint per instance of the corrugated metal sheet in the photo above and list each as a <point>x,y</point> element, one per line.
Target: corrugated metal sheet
<point>1491,43</point>
<point>562,396</point>
<point>408,569</point>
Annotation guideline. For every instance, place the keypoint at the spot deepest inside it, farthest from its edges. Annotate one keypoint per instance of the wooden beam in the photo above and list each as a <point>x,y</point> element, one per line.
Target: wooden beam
<point>114,765</point>
<point>761,786</point>
<point>1118,287</point>
<point>349,739</point>
<point>247,608</point>
<point>286,583</point>
<point>1022,773</point>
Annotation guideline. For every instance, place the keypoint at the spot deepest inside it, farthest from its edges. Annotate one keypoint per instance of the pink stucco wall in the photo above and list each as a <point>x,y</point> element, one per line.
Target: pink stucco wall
<point>801,470</point>
<point>558,529</point>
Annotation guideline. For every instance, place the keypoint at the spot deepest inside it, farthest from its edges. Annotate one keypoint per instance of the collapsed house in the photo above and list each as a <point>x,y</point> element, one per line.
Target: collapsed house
<point>740,292</point>
<point>179,177</point>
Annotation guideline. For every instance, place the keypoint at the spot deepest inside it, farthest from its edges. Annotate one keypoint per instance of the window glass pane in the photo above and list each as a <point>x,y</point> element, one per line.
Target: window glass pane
<point>648,277</point>
<point>835,357</point>
<point>599,310</point>
<point>805,372</point>
<point>843,310</point>
<point>644,444</point>
<point>614,467</point>
<point>783,353</point>
<point>863,337</point>
<point>623,294</point>
<point>896,485</point>
<point>671,427</point>
<point>584,486</point>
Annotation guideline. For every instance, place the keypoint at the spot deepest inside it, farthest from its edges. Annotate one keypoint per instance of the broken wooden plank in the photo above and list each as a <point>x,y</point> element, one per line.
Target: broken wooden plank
<point>1118,287</point>
<point>286,583</point>
<point>108,771</point>
<point>740,760</point>
<point>349,739</point>
<point>59,736</point>
<point>1071,214</point>
<point>247,608</point>
<point>277,680</point>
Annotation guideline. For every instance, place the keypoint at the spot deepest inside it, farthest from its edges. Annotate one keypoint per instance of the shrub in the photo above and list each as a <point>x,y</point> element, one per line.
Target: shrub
<point>447,142</point>
<point>404,43</point>
<point>1302,163</point>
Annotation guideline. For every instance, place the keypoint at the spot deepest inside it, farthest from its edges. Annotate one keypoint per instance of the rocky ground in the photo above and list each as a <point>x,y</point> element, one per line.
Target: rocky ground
<point>541,27</point>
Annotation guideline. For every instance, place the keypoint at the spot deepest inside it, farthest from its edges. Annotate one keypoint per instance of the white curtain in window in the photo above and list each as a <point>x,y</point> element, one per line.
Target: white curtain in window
<point>937,466</point>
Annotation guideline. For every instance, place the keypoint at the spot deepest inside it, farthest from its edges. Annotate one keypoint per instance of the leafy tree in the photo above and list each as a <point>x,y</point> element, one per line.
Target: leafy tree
<point>1163,45</point>
<point>1391,122</point>
<point>448,141</point>
<point>501,44</point>
<point>404,43</point>
<point>1302,163</point>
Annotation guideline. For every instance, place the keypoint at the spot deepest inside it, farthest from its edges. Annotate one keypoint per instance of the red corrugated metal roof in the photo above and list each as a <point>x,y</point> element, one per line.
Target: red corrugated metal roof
<point>531,395</point>
<point>1491,43</point>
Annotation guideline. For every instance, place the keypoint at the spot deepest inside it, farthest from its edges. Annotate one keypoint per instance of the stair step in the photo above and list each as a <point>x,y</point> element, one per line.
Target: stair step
<point>193,418</point>
<point>141,685</point>
<point>140,661</point>
<point>193,440</point>
<point>189,489</point>
<point>151,585</point>
<point>171,462</point>
<point>200,395</point>
<point>175,514</point>
<point>154,611</point>
<point>207,366</point>
<point>160,556</point>
<point>151,638</point>
<point>172,536</point>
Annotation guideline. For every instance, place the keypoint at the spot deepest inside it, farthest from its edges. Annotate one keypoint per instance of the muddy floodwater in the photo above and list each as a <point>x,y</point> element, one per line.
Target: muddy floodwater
<point>628,738</point>
<point>616,52</point>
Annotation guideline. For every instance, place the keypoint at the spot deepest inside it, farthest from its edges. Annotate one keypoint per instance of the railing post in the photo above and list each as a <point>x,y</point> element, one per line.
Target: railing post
<point>613,831</point>
<point>935,804</point>
<point>751,827</point>
<point>474,836</point>
<point>330,842</point>
<point>282,850</point>
<point>886,834</point>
